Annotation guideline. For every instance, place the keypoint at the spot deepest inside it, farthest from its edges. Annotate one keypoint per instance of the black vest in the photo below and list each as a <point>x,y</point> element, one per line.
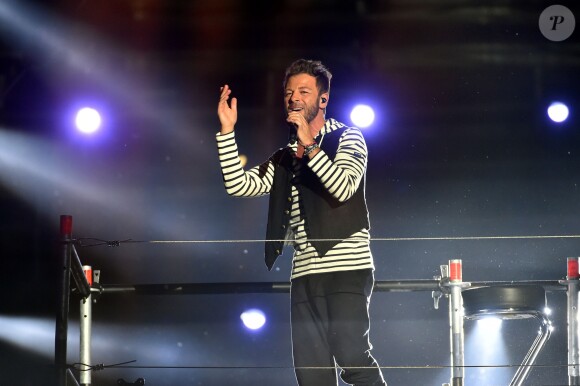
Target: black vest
<point>327,221</point>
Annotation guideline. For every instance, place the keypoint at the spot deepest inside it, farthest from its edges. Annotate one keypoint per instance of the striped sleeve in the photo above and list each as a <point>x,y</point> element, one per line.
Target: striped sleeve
<point>254,182</point>
<point>342,176</point>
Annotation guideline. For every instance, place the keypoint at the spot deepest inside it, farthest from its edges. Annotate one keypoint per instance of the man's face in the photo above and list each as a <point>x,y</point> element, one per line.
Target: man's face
<point>301,95</point>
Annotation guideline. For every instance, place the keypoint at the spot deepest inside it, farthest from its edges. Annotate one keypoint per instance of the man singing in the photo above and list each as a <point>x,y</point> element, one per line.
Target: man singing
<point>317,195</point>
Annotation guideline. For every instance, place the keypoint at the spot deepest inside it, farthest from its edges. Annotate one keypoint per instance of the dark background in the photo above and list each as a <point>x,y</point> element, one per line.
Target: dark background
<point>461,147</point>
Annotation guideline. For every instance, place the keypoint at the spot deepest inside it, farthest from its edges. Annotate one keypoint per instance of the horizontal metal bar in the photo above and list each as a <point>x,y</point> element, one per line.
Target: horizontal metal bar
<point>281,287</point>
<point>406,285</point>
<point>200,288</point>
<point>549,285</point>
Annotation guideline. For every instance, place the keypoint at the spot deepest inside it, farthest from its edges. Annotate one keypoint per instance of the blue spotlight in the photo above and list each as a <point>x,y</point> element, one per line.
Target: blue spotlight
<point>558,112</point>
<point>88,120</point>
<point>362,116</point>
<point>253,319</point>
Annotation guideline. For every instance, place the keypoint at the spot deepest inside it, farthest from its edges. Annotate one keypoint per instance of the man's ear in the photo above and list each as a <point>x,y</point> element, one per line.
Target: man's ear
<point>323,100</point>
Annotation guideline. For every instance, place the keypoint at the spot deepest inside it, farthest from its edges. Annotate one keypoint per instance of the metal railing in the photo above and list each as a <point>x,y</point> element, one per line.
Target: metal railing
<point>449,285</point>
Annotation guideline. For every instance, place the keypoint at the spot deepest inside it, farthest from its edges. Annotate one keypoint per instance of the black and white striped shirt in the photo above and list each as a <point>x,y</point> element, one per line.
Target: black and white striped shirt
<point>341,177</point>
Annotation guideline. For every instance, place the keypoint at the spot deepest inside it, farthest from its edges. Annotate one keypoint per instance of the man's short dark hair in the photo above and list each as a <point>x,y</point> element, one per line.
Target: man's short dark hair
<point>313,68</point>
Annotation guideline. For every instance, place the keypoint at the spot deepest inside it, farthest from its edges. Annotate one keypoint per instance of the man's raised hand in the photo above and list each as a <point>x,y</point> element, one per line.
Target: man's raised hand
<point>227,114</point>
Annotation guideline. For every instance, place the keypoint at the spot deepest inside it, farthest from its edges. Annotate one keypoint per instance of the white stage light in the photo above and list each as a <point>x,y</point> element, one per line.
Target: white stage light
<point>558,112</point>
<point>253,319</point>
<point>88,120</point>
<point>362,116</point>
<point>489,324</point>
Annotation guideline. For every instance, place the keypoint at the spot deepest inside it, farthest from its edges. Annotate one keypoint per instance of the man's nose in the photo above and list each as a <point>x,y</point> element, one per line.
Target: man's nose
<point>294,96</point>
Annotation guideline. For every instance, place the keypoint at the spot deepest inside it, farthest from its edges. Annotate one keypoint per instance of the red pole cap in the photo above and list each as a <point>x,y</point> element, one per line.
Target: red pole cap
<point>88,270</point>
<point>65,225</point>
<point>573,268</point>
<point>455,270</point>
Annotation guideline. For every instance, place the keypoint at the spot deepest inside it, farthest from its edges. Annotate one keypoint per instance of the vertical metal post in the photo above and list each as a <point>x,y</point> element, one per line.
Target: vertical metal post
<point>456,322</point>
<point>573,282</point>
<point>61,330</point>
<point>86,321</point>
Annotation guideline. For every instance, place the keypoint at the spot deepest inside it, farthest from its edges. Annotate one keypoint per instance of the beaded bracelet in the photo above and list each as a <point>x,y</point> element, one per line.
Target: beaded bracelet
<point>310,148</point>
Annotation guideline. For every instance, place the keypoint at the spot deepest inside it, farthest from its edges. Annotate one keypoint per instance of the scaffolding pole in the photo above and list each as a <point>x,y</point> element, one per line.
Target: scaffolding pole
<point>573,285</point>
<point>60,340</point>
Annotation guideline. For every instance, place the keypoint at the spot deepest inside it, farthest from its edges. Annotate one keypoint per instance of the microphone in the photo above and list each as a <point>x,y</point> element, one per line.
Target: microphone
<point>292,133</point>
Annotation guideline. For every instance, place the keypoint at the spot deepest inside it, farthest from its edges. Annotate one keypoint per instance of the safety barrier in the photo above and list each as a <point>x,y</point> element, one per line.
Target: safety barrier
<point>466,300</point>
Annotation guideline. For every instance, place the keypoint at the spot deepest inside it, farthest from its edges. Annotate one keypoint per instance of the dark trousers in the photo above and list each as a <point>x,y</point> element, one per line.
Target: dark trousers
<point>330,327</point>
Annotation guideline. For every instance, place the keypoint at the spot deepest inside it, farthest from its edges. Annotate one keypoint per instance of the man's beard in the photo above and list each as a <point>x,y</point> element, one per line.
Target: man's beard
<point>311,111</point>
